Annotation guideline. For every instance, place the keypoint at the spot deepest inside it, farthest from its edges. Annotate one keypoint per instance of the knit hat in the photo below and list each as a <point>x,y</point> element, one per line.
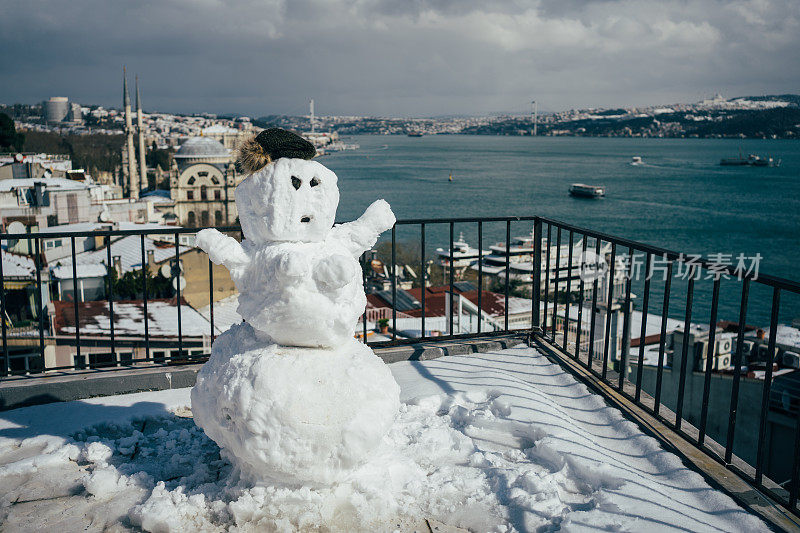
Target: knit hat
<point>270,145</point>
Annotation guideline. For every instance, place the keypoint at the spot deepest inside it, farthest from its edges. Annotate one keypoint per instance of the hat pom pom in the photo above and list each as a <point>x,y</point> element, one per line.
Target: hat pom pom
<point>251,156</point>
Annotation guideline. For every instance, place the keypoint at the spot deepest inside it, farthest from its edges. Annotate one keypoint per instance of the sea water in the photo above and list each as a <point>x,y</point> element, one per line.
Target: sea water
<point>680,198</point>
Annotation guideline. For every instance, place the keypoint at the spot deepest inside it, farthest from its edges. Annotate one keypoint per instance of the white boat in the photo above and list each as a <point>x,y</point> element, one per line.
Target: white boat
<point>463,254</point>
<point>587,191</point>
<point>637,160</point>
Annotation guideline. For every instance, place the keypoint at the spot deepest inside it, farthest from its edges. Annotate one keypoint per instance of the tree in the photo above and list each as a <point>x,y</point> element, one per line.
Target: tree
<point>130,285</point>
<point>10,140</point>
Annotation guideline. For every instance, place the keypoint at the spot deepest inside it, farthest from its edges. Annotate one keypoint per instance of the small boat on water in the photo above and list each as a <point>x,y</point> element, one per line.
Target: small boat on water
<point>752,160</point>
<point>415,134</point>
<point>582,190</point>
<point>637,160</point>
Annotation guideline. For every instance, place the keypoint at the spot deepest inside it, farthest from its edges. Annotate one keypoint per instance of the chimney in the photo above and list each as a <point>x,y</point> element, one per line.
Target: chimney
<point>151,258</point>
<point>118,264</point>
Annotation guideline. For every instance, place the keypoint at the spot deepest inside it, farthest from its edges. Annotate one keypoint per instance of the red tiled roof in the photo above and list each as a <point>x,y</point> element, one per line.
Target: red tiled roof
<point>435,301</point>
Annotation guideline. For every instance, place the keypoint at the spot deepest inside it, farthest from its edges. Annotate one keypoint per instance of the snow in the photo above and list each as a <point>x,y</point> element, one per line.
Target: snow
<point>83,270</point>
<point>787,335</point>
<point>129,319</point>
<point>128,249</point>
<point>225,314</point>
<point>293,415</point>
<point>15,265</point>
<point>54,183</point>
<point>502,441</point>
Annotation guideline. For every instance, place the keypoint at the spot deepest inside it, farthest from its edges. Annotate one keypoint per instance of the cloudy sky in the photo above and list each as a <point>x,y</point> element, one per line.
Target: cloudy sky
<point>397,57</point>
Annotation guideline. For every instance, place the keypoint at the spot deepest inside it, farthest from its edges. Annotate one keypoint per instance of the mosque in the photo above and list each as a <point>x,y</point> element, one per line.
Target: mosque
<point>202,176</point>
<point>202,179</point>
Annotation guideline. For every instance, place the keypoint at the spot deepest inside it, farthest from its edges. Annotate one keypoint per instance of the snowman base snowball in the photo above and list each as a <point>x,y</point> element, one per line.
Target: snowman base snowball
<point>293,416</point>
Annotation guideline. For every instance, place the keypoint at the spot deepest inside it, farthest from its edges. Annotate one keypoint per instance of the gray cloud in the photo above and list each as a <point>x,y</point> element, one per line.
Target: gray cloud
<point>397,58</point>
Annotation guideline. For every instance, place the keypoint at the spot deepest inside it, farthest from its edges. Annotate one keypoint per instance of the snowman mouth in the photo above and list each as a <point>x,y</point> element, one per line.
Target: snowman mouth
<point>306,219</point>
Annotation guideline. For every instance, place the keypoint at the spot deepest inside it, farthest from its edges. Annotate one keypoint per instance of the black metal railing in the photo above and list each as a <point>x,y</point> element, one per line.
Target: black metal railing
<point>785,492</point>
<point>549,317</point>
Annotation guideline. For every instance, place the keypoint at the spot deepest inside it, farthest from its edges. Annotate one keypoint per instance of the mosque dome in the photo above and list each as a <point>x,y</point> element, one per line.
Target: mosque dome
<point>202,150</point>
<point>201,147</point>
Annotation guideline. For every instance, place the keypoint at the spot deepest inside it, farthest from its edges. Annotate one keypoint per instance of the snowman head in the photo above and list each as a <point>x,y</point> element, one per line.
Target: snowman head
<point>288,200</point>
<point>287,197</point>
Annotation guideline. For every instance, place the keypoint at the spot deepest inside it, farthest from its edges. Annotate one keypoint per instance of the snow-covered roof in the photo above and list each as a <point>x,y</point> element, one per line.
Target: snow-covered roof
<point>20,266</point>
<point>787,335</point>
<point>50,183</point>
<point>83,271</point>
<point>225,313</point>
<point>129,250</point>
<point>78,226</point>
<point>129,318</point>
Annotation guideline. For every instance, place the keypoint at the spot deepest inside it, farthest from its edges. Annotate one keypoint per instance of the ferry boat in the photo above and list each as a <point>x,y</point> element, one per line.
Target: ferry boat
<point>415,134</point>
<point>463,254</point>
<point>520,260</point>
<point>752,160</point>
<point>582,190</point>
<point>637,160</point>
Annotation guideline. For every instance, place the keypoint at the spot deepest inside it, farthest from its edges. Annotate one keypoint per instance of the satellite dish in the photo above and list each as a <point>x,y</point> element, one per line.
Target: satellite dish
<point>18,158</point>
<point>179,281</point>
<point>16,227</point>
<point>105,216</point>
<point>47,173</point>
<point>166,270</point>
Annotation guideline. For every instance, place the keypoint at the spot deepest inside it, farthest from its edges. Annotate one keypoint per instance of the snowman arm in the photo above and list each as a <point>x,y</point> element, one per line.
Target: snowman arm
<point>222,249</point>
<point>362,234</point>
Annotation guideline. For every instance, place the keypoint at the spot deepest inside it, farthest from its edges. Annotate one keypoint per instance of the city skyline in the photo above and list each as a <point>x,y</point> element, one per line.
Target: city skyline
<point>386,59</point>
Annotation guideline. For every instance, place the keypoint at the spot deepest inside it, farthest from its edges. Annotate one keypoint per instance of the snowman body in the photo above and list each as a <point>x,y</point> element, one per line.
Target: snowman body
<point>318,297</point>
<point>290,396</point>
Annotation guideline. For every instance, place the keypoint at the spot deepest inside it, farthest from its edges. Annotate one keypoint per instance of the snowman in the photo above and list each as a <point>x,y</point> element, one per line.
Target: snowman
<point>290,395</point>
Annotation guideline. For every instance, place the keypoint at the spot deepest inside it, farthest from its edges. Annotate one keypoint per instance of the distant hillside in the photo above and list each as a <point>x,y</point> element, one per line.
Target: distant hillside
<point>792,98</point>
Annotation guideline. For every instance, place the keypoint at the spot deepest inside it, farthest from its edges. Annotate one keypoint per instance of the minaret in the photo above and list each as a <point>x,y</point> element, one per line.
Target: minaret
<point>311,114</point>
<point>140,128</point>
<point>133,181</point>
<point>535,116</point>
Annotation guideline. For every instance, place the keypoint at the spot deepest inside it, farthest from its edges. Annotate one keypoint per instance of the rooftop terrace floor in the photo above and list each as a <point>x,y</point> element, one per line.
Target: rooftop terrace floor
<point>487,441</point>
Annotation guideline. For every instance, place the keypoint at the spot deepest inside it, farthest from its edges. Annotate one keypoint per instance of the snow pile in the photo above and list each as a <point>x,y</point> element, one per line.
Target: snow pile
<point>503,441</point>
<point>293,415</point>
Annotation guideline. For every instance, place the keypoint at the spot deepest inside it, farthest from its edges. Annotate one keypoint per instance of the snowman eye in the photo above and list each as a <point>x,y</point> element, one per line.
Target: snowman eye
<point>314,181</point>
<point>296,183</point>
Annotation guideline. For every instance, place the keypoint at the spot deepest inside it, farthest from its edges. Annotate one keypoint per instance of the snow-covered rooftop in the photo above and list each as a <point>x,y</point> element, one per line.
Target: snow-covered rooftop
<point>502,441</point>
<point>82,271</point>
<point>15,265</point>
<point>225,314</point>
<point>129,250</point>
<point>129,319</point>
<point>54,183</point>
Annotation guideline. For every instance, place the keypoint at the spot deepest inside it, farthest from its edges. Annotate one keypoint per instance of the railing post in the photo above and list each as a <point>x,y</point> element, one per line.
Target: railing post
<point>687,326</point>
<point>762,427</point>
<point>626,323</point>
<point>423,272</point>
<point>737,374</point>
<point>75,301</point>
<point>536,274</point>
<point>6,369</point>
<point>394,283</point>
<point>145,271</point>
